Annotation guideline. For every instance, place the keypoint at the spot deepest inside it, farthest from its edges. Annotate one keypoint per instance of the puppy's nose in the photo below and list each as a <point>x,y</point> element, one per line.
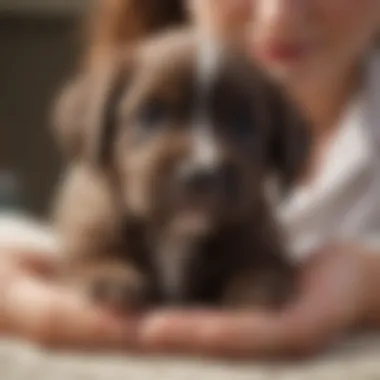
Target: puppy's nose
<point>202,180</point>
<point>206,180</point>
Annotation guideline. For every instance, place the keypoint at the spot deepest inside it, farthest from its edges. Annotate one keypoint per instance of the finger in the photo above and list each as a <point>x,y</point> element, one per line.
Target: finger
<point>54,316</point>
<point>212,333</point>
<point>29,261</point>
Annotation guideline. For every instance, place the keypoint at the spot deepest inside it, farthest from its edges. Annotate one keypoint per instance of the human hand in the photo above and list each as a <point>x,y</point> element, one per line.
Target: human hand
<point>335,289</point>
<point>34,307</point>
<point>334,296</point>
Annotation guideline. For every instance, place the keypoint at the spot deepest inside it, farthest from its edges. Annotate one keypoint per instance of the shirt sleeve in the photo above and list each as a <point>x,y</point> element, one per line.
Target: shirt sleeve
<point>20,232</point>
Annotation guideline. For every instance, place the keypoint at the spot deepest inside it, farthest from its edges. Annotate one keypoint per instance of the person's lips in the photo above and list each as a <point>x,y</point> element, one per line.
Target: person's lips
<point>283,52</point>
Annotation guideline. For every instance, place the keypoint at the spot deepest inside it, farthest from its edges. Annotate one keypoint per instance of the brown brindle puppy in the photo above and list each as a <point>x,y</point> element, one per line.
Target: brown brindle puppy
<point>164,201</point>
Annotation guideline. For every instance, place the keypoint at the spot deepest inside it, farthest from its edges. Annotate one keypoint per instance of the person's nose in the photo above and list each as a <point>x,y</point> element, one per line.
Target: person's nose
<point>281,16</point>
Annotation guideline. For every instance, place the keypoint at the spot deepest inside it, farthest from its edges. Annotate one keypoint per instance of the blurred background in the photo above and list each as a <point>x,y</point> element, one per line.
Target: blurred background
<point>39,41</point>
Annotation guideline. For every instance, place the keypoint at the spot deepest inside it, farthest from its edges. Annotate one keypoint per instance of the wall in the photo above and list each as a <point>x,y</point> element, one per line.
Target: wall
<point>37,51</point>
<point>44,5</point>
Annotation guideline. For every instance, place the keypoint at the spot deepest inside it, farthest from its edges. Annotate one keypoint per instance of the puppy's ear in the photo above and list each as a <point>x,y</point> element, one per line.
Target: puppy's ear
<point>291,139</point>
<point>85,114</point>
<point>68,117</point>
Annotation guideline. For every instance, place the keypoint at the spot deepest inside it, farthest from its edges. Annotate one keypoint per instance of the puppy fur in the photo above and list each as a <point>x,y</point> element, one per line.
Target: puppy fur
<point>169,149</point>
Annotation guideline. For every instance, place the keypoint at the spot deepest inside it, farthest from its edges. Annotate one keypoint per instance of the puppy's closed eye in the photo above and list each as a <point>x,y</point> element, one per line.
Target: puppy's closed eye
<point>153,114</point>
<point>241,126</point>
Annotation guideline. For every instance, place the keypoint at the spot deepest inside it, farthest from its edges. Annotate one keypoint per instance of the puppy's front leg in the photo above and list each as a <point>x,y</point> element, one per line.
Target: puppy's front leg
<point>265,275</point>
<point>93,241</point>
<point>266,287</point>
<point>111,282</point>
<point>172,258</point>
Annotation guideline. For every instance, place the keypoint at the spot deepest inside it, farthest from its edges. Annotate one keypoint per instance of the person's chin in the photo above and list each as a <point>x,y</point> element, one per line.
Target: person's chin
<point>288,74</point>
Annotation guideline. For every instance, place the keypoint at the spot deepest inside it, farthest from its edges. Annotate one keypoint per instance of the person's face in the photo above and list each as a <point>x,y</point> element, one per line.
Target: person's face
<point>297,40</point>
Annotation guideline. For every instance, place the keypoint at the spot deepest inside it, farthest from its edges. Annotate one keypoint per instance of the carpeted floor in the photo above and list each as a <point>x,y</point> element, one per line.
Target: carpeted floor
<point>357,359</point>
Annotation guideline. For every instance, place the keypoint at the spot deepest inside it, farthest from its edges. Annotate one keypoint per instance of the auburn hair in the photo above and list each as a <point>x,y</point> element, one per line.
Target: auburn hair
<point>112,24</point>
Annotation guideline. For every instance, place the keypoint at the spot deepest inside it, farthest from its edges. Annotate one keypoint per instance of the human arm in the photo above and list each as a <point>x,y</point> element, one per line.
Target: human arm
<point>339,290</point>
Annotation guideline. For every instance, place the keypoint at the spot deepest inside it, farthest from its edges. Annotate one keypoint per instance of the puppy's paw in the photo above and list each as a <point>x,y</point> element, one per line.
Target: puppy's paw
<point>117,286</point>
<point>270,289</point>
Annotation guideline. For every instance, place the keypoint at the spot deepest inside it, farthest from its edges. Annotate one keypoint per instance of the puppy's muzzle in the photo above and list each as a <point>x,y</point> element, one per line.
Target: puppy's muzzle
<point>216,183</point>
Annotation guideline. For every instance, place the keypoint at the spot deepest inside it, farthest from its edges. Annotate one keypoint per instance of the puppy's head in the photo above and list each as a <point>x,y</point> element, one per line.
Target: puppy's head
<point>188,136</point>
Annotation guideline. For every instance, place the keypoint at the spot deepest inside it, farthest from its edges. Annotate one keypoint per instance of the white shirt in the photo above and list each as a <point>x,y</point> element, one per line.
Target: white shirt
<point>343,200</point>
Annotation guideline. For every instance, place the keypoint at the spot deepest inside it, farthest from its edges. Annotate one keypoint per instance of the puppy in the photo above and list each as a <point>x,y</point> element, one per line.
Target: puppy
<point>171,146</point>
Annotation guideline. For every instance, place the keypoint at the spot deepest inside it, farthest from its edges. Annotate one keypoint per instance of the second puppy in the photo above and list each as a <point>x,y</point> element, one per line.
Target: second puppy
<point>170,148</point>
